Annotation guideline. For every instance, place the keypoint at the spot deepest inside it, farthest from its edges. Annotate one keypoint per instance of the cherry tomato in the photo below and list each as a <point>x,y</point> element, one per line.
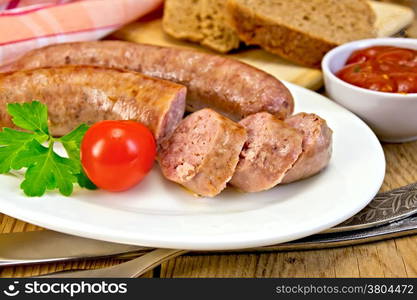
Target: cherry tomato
<point>116,155</point>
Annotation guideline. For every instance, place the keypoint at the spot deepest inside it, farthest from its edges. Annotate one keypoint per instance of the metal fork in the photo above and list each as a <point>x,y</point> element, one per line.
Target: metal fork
<point>131,269</point>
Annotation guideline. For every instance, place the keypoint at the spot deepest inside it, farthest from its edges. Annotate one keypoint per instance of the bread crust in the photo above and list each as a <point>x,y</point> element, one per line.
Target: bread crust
<point>283,40</point>
<point>201,21</point>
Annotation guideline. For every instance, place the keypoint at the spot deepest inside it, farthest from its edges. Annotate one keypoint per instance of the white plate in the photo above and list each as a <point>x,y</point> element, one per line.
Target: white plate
<point>158,213</point>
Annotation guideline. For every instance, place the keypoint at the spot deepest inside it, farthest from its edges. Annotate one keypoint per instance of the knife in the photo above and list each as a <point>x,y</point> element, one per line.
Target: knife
<point>146,262</point>
<point>58,243</point>
<point>385,208</point>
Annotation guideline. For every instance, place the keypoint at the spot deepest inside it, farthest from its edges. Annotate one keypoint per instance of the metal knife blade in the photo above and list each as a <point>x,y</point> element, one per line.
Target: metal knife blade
<point>400,228</point>
<point>385,208</point>
<point>51,246</point>
<point>94,249</point>
<point>48,246</point>
<point>407,226</point>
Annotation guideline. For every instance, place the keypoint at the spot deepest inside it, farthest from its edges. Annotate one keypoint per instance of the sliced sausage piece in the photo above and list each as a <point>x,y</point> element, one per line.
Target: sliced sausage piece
<point>270,151</point>
<point>223,84</point>
<point>77,95</point>
<point>317,146</point>
<point>203,152</point>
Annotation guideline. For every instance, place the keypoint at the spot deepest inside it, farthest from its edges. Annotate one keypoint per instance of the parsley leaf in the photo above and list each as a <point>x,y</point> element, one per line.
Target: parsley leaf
<point>31,116</point>
<point>34,149</point>
<point>13,142</point>
<point>84,181</point>
<point>46,170</point>
<point>71,143</point>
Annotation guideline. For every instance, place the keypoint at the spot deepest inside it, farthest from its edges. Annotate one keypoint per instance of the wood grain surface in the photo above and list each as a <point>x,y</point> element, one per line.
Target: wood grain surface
<point>390,258</point>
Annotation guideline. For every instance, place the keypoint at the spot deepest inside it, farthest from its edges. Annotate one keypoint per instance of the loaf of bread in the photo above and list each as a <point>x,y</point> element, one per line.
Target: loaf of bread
<point>301,30</point>
<point>202,21</point>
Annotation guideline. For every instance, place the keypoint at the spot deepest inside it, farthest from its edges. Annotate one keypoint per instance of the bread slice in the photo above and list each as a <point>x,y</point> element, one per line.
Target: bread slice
<point>301,30</point>
<point>202,21</point>
<point>182,19</point>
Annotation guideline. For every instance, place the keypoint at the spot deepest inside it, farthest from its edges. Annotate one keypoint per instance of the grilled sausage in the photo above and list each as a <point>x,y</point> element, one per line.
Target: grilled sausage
<point>77,95</point>
<point>317,146</point>
<point>203,152</point>
<point>270,151</point>
<point>223,84</point>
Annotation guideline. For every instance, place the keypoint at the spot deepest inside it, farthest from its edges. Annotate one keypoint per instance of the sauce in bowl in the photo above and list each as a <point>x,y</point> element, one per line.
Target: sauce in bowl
<point>382,68</point>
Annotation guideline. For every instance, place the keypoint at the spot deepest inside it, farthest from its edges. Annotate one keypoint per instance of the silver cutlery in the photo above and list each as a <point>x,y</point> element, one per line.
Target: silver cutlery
<point>131,269</point>
<point>50,246</point>
<point>404,227</point>
<point>148,261</point>
<point>385,208</point>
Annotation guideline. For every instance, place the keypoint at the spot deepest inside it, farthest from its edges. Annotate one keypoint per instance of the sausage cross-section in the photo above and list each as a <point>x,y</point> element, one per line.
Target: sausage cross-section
<point>203,152</point>
<point>270,151</point>
<point>317,146</point>
<point>228,86</point>
<point>77,95</point>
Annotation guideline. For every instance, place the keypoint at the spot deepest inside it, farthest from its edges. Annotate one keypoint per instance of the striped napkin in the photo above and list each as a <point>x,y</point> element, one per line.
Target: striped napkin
<point>30,24</point>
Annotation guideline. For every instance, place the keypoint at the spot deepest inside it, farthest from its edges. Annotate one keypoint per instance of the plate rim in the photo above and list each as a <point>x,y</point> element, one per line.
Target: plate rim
<point>228,245</point>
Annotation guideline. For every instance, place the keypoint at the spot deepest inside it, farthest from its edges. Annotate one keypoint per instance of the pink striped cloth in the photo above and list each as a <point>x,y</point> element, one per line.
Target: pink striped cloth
<point>30,24</point>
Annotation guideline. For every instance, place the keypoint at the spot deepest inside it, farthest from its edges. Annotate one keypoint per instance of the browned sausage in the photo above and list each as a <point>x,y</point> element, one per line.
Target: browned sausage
<point>203,152</point>
<point>77,95</point>
<point>317,146</point>
<point>223,84</point>
<point>270,151</point>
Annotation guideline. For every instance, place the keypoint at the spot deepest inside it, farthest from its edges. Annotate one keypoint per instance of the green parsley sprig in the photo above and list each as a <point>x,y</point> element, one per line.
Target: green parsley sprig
<point>34,149</point>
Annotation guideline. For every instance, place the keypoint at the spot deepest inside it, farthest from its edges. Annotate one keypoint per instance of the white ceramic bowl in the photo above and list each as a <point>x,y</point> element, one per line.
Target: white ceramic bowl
<point>393,117</point>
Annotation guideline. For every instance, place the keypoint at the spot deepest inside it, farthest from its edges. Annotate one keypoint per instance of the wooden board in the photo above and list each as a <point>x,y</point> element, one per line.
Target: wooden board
<point>391,19</point>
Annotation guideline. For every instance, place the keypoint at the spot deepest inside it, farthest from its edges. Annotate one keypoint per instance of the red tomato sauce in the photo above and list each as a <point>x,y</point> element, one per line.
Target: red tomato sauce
<point>382,68</point>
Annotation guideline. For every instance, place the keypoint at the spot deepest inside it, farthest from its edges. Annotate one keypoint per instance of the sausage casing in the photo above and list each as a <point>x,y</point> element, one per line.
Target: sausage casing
<point>77,95</point>
<point>228,86</point>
